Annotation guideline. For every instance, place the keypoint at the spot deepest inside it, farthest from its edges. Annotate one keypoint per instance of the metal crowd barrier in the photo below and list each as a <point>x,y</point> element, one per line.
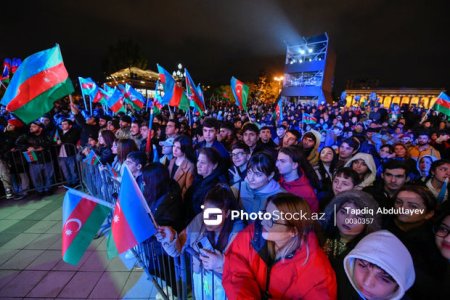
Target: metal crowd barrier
<point>43,174</point>
<point>168,274</point>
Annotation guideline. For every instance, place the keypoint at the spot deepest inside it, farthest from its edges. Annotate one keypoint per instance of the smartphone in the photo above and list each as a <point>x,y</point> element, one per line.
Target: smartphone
<point>204,244</point>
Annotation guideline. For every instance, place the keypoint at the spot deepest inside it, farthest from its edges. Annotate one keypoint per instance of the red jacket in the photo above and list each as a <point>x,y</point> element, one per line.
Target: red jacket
<point>245,270</point>
<point>302,188</point>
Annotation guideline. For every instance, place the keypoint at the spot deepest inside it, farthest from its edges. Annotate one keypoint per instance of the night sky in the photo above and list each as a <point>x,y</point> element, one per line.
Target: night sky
<point>402,43</point>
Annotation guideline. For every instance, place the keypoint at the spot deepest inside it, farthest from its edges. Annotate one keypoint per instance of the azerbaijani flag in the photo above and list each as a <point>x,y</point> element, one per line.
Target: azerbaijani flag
<point>308,119</point>
<point>39,81</point>
<point>240,93</point>
<point>131,223</point>
<point>15,63</point>
<point>113,173</point>
<point>82,217</point>
<point>56,136</point>
<point>30,156</point>
<point>115,100</point>
<point>173,92</point>
<point>6,68</point>
<point>87,86</point>
<point>135,98</point>
<point>279,111</point>
<point>92,158</point>
<point>168,84</point>
<point>193,93</point>
<point>442,104</point>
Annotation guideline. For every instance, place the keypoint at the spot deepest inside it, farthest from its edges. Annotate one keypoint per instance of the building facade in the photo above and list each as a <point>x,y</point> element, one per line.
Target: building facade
<point>387,97</point>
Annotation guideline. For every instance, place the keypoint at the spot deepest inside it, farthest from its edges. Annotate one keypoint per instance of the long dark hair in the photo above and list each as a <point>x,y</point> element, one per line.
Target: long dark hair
<point>124,147</point>
<point>221,196</point>
<point>304,167</point>
<point>109,137</point>
<point>156,179</point>
<point>322,171</point>
<point>186,147</point>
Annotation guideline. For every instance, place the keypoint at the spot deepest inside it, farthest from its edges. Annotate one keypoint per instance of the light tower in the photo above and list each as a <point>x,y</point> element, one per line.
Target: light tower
<point>309,70</point>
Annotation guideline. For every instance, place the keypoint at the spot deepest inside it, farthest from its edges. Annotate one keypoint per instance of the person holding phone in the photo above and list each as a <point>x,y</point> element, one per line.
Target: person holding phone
<point>206,243</point>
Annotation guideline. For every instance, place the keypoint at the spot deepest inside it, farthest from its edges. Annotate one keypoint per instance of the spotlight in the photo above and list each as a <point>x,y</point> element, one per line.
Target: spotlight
<point>302,51</point>
<point>310,50</point>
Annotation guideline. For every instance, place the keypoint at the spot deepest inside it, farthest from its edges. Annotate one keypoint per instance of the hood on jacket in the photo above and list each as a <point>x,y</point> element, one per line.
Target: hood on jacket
<point>313,156</point>
<point>433,158</point>
<point>386,251</point>
<point>369,178</point>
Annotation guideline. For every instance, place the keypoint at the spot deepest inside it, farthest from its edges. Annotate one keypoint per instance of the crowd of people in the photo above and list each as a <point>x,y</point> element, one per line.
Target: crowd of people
<point>371,184</point>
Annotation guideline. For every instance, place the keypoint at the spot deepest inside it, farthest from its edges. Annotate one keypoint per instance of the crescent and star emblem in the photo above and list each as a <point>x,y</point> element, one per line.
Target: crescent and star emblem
<point>70,231</point>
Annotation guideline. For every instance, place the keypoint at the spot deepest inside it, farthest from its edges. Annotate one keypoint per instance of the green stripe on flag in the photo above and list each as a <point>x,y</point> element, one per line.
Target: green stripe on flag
<point>442,109</point>
<point>43,103</point>
<point>86,234</point>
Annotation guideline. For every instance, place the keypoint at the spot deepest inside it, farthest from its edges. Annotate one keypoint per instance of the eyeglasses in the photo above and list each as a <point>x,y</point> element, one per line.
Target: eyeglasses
<point>441,231</point>
<point>238,154</point>
<point>270,221</point>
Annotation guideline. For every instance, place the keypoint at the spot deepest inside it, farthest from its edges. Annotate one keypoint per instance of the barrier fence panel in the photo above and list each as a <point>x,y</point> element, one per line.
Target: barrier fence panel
<point>168,274</point>
<point>40,170</point>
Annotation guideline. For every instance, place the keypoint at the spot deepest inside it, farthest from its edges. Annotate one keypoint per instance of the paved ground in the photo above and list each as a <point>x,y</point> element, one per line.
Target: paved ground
<point>31,265</point>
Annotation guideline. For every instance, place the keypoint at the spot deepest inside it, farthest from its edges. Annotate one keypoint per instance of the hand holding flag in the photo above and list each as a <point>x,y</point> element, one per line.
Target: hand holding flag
<point>131,223</point>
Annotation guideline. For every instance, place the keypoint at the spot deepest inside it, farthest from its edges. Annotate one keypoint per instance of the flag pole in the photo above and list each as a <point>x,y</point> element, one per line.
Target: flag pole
<point>82,93</point>
<point>148,145</point>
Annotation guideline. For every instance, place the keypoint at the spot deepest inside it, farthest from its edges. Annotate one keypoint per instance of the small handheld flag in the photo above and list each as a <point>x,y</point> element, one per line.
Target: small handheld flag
<point>56,136</point>
<point>6,69</point>
<point>308,119</point>
<point>92,158</point>
<point>30,156</point>
<point>82,217</point>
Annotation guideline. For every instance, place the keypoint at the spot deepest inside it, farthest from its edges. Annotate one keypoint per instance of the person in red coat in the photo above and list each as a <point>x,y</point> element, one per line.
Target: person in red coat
<point>279,257</point>
<point>297,175</point>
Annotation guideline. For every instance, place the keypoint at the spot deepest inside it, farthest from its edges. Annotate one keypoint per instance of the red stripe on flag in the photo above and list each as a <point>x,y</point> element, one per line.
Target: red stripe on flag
<point>37,84</point>
<point>70,229</point>
<point>121,231</point>
<point>176,96</point>
<point>116,107</point>
<point>442,102</point>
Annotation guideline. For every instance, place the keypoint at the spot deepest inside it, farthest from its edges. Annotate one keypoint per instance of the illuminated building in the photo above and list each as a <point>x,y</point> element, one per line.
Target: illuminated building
<point>309,70</point>
<point>419,97</point>
<point>142,80</point>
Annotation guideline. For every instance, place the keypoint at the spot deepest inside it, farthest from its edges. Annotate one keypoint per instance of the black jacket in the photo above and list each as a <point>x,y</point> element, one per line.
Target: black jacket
<point>70,140</point>
<point>86,129</point>
<point>36,141</point>
<point>196,193</point>
<point>168,208</point>
<point>428,262</point>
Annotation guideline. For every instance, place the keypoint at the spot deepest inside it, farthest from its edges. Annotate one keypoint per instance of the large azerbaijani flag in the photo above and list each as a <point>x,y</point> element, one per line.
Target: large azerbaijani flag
<point>136,99</point>
<point>192,93</point>
<point>82,217</point>
<point>173,92</point>
<point>38,82</point>
<point>131,223</point>
<point>240,93</point>
<point>442,104</point>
